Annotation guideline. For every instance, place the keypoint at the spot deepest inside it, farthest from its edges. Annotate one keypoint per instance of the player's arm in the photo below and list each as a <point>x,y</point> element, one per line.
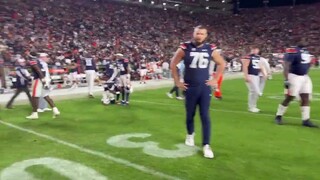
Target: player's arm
<point>221,65</point>
<point>114,75</point>
<point>262,65</point>
<point>219,62</point>
<point>178,56</point>
<point>286,66</point>
<point>245,64</point>
<point>34,66</point>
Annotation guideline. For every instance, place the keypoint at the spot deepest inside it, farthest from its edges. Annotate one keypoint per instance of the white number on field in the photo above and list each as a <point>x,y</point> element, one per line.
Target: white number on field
<point>71,170</point>
<point>150,147</point>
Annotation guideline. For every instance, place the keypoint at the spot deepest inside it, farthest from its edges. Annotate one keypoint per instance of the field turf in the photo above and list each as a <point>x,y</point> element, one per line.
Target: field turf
<point>246,145</point>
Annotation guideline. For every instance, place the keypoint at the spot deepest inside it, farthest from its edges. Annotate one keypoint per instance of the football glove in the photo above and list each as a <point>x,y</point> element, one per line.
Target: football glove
<point>286,84</point>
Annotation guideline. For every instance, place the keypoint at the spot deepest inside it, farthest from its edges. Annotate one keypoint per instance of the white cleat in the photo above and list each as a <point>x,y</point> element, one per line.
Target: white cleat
<point>180,98</point>
<point>47,109</point>
<point>34,115</point>
<point>254,110</point>
<point>190,140</point>
<point>40,110</point>
<point>207,152</point>
<point>56,112</point>
<point>169,95</point>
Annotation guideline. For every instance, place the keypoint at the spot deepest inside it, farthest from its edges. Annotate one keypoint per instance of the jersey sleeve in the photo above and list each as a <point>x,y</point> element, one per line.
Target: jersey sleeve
<point>213,47</point>
<point>32,62</point>
<point>290,54</point>
<point>183,46</point>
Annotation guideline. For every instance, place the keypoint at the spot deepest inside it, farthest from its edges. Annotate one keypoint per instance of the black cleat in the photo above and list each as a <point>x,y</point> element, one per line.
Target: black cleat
<point>308,123</point>
<point>9,107</point>
<point>218,97</point>
<point>278,120</point>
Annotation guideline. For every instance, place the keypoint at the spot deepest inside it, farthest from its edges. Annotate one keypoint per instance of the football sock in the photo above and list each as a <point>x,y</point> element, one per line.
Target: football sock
<point>122,95</point>
<point>282,109</point>
<point>305,112</point>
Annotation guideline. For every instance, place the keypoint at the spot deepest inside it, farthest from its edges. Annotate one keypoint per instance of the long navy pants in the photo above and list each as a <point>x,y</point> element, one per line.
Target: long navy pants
<point>199,95</point>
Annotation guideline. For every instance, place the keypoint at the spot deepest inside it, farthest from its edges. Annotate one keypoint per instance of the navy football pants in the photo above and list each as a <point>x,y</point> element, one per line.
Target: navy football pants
<point>199,95</point>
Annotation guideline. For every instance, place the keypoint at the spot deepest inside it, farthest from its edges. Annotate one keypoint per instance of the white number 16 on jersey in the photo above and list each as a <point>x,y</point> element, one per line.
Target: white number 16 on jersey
<point>200,60</point>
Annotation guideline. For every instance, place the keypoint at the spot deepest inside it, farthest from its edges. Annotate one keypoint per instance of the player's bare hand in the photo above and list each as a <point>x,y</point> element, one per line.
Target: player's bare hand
<point>247,79</point>
<point>182,86</point>
<point>213,83</point>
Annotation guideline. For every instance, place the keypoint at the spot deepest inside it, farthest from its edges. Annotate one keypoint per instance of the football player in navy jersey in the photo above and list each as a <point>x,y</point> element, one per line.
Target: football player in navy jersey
<point>90,69</point>
<point>110,87</point>
<point>252,67</point>
<point>124,79</point>
<point>297,62</point>
<point>40,84</point>
<point>197,83</point>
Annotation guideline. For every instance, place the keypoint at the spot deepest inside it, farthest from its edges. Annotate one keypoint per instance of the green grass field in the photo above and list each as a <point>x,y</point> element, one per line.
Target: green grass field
<point>86,139</point>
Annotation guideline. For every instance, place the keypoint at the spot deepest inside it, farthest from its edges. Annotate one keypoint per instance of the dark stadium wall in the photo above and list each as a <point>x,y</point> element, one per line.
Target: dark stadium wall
<point>259,3</point>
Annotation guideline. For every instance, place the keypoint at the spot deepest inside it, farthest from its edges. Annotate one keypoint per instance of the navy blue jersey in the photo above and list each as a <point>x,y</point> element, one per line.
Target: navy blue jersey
<point>35,74</point>
<point>22,77</point>
<point>122,65</point>
<point>196,61</point>
<point>300,60</point>
<point>143,64</point>
<point>110,65</point>
<point>89,63</point>
<point>254,67</point>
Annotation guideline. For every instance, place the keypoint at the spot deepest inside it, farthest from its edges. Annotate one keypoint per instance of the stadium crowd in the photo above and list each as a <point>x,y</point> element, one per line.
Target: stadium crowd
<point>66,28</point>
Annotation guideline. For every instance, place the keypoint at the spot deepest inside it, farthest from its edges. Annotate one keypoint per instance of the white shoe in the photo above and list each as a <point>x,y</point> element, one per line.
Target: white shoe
<point>207,152</point>
<point>180,98</point>
<point>40,110</point>
<point>34,115</point>
<point>254,110</point>
<point>56,112</point>
<point>169,95</point>
<point>47,109</point>
<point>190,140</point>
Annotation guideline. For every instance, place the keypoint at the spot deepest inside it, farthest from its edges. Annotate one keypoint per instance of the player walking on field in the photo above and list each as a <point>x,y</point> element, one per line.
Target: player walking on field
<point>252,67</point>
<point>40,84</point>
<point>197,83</point>
<point>297,61</point>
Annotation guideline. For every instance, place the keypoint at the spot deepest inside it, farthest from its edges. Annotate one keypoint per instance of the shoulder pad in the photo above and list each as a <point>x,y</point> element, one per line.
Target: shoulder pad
<point>183,46</point>
<point>291,50</point>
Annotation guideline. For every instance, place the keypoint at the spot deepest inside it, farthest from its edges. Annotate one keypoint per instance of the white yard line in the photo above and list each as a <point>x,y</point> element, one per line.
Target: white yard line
<point>93,152</point>
<point>220,110</point>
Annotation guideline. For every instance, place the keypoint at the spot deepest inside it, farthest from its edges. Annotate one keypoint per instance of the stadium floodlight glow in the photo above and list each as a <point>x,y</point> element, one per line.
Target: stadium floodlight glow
<point>207,0</point>
<point>164,4</point>
<point>223,1</point>
<point>140,0</point>
<point>152,2</point>
<point>165,9</point>
<point>176,5</point>
<point>207,7</point>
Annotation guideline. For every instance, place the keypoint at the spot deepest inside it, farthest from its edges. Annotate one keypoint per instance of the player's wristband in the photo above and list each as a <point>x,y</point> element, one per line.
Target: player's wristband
<point>286,84</point>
